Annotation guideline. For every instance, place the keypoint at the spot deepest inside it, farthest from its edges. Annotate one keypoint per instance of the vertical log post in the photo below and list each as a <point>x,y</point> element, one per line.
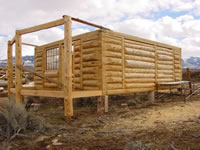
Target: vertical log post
<point>189,79</point>
<point>102,104</point>
<point>18,72</point>
<point>10,68</point>
<point>151,96</point>
<point>67,67</point>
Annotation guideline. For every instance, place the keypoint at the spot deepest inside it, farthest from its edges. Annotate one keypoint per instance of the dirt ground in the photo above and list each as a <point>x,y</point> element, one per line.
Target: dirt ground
<point>169,123</point>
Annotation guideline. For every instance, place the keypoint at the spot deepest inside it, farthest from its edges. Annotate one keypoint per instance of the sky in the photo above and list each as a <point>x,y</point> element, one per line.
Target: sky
<point>175,22</point>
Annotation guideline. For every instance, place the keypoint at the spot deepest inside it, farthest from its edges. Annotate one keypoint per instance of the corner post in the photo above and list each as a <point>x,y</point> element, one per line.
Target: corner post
<point>10,68</point>
<point>67,67</point>
<point>18,72</point>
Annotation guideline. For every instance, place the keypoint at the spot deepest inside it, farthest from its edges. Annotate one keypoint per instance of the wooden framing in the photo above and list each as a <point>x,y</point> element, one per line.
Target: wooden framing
<point>97,63</point>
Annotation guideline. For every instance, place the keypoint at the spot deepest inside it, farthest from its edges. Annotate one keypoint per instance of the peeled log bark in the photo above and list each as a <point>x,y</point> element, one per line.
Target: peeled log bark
<point>140,80</point>
<point>113,47</point>
<point>113,74</point>
<point>139,70</point>
<point>113,61</point>
<point>137,52</point>
<point>113,68</point>
<point>139,75</point>
<point>139,85</point>
<point>139,58</point>
<point>139,64</point>
<point>114,86</point>
<point>114,79</point>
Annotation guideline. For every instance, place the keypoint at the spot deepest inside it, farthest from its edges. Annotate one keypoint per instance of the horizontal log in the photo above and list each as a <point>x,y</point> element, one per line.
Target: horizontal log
<point>38,64</point>
<point>90,76</point>
<point>91,88</point>
<point>161,62</point>
<point>42,26</point>
<point>177,61</point>
<point>77,73</point>
<point>113,74</point>
<point>113,68</point>
<point>51,73</point>
<point>164,49</point>
<point>77,86</point>
<point>139,75</point>
<point>77,54</point>
<point>77,60</point>
<point>177,57</point>
<point>38,59</point>
<point>139,70</point>
<point>114,79</point>
<point>77,66</point>
<point>113,61</point>
<point>91,50</point>
<point>165,53</point>
<point>50,85</point>
<point>139,64</point>
<point>113,54</point>
<point>90,70</point>
<point>137,52</point>
<point>140,80</point>
<point>113,47</point>
<point>91,64</point>
<point>165,71</point>
<point>166,76</point>
<point>77,48</point>
<point>76,80</point>
<point>165,67</point>
<point>164,57</point>
<point>38,82</point>
<point>140,58</point>
<point>131,90</point>
<point>164,80</point>
<point>139,85</point>
<point>140,47</point>
<point>91,82</point>
<point>91,44</point>
<point>177,66</point>
<point>112,41</point>
<point>38,69</point>
<point>112,86</point>
<point>90,57</point>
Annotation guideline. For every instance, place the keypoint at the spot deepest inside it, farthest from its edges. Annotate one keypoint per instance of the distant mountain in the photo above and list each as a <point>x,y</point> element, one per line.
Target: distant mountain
<point>28,61</point>
<point>191,62</point>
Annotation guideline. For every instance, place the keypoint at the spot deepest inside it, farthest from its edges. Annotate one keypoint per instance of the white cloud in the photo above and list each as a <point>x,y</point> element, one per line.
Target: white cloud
<point>120,15</point>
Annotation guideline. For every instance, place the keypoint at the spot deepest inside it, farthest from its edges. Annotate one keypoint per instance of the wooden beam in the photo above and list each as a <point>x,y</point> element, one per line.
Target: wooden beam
<point>39,75</point>
<point>42,26</point>
<point>57,94</point>
<point>88,23</point>
<point>189,79</point>
<point>10,68</point>
<point>18,72</point>
<point>30,44</point>
<point>67,67</point>
<point>12,41</point>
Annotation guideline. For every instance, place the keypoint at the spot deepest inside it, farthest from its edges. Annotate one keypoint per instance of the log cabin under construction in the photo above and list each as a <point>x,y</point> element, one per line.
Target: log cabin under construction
<point>97,63</point>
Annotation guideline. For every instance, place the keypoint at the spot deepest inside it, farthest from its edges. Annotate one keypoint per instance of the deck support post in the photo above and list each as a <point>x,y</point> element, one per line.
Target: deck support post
<point>18,72</point>
<point>67,67</point>
<point>102,104</point>
<point>10,68</point>
<point>151,96</point>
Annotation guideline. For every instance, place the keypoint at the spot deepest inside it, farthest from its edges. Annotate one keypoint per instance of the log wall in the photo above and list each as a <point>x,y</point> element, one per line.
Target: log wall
<point>114,63</point>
